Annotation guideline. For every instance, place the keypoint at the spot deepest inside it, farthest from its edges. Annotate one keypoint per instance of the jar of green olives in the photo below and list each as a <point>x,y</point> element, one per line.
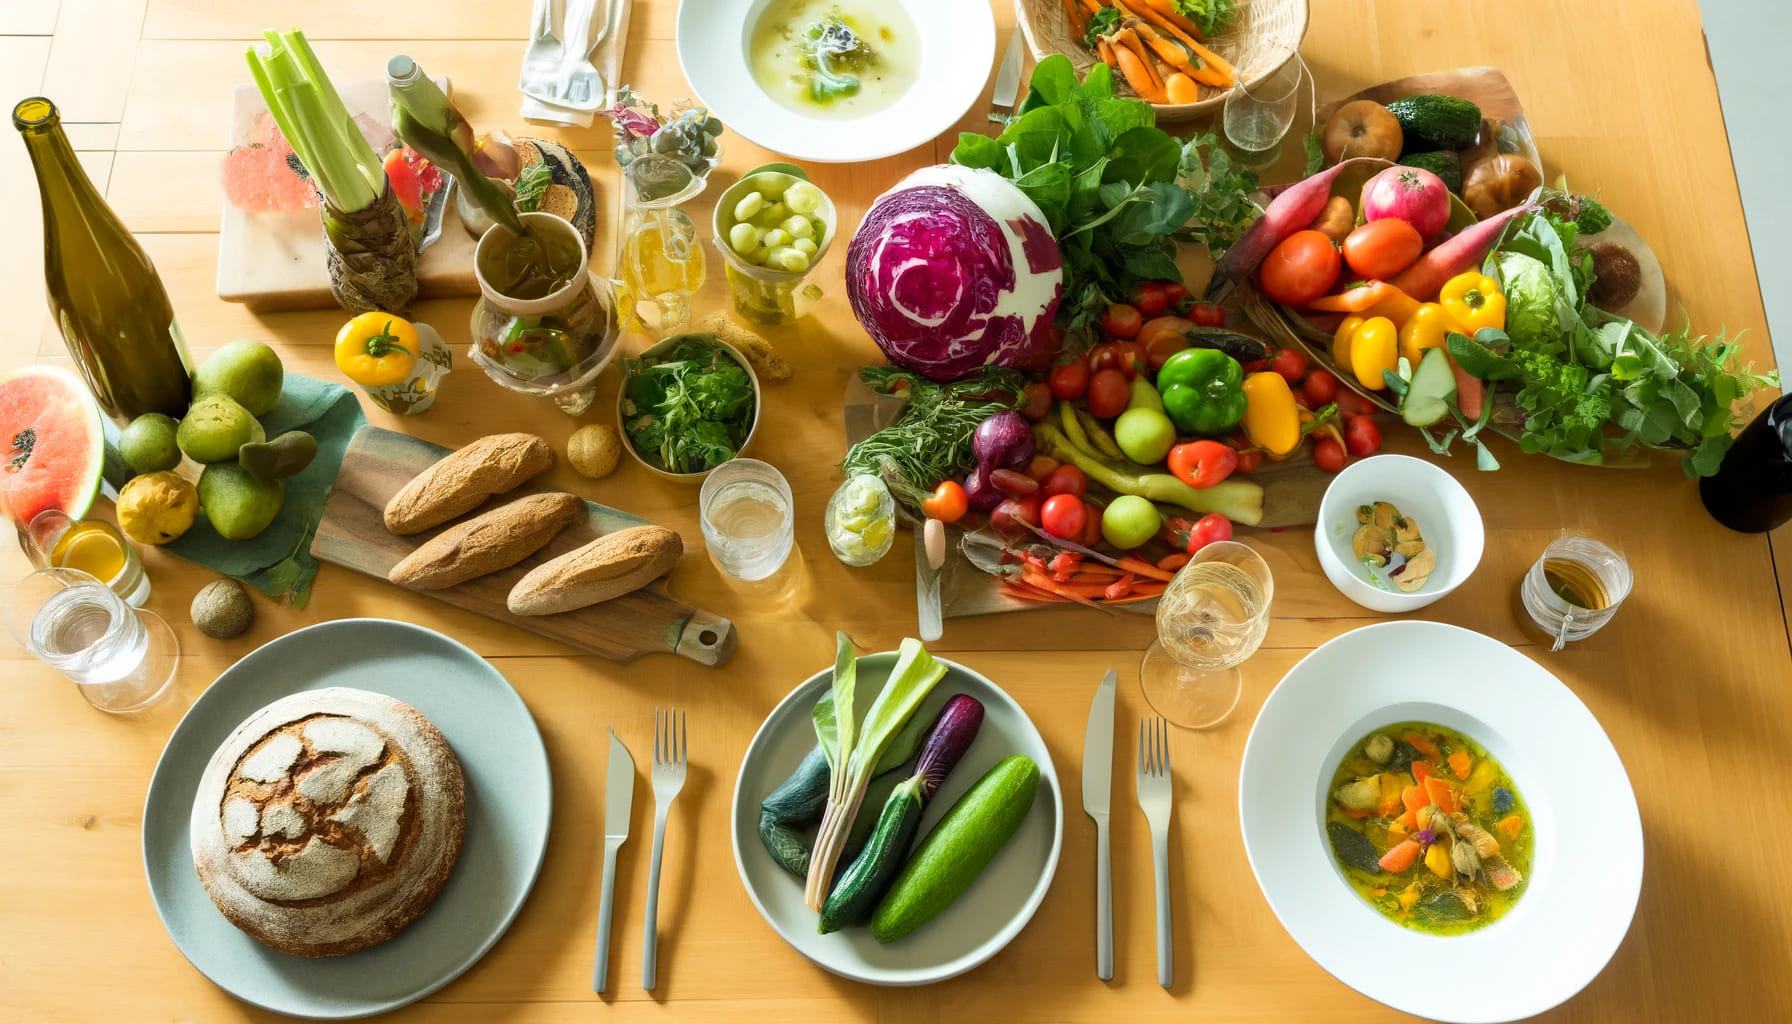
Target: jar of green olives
<point>773,227</point>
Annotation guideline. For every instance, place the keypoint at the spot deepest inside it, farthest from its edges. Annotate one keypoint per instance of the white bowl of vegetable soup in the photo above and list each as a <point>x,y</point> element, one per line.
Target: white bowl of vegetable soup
<point>837,81</point>
<point>1440,823</point>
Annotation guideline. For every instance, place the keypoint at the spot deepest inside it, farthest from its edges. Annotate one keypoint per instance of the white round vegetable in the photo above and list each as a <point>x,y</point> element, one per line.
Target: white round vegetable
<point>802,197</point>
<point>749,205</point>
<point>743,238</point>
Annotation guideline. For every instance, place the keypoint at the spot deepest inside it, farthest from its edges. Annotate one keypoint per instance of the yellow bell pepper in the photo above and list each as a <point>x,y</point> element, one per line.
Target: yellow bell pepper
<point>1374,347</point>
<point>1474,301</point>
<point>1271,419</point>
<point>1341,341</point>
<point>1429,325</point>
<point>377,350</point>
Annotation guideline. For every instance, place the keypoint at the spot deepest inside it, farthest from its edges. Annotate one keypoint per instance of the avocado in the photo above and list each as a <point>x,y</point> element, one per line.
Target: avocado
<point>1431,121</point>
<point>1444,163</point>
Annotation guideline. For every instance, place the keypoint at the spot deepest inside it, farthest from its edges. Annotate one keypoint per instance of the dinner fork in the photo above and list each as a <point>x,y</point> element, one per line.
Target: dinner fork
<point>1154,800</point>
<point>581,87</point>
<point>668,779</point>
<point>541,60</point>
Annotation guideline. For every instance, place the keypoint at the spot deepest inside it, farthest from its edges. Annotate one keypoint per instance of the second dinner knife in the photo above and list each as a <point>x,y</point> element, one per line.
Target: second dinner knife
<point>1098,780</point>
<point>619,800</point>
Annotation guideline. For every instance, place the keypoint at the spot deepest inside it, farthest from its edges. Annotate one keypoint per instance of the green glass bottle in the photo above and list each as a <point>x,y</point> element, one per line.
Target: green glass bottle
<point>105,295</point>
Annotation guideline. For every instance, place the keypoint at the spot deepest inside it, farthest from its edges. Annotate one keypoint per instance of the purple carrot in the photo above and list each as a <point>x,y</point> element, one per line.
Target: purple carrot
<point>1292,209</point>
<point>1464,251</point>
<point>947,740</point>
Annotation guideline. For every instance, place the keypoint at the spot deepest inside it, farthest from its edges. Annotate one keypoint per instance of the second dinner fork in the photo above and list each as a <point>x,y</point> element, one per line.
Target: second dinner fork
<point>668,778</point>
<point>1154,800</point>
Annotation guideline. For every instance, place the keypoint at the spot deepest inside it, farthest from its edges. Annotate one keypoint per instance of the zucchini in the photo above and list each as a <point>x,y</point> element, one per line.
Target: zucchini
<point>858,889</point>
<point>797,801</point>
<point>1444,163</point>
<point>958,848</point>
<point>1431,121</point>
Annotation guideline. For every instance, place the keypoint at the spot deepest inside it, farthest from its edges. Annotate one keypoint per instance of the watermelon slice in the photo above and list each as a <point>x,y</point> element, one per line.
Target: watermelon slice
<point>52,443</point>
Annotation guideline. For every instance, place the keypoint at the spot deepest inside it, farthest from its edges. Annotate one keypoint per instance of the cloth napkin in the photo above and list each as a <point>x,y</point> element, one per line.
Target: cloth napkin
<point>278,560</point>
<point>553,113</point>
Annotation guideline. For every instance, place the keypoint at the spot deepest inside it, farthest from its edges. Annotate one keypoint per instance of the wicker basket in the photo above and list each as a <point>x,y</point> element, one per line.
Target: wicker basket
<point>1282,23</point>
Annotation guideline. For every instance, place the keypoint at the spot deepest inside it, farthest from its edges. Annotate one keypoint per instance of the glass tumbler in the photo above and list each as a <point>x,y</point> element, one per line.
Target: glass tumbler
<point>1259,111</point>
<point>94,546</point>
<point>748,524</point>
<point>1211,619</point>
<point>1574,589</point>
<point>121,658</point>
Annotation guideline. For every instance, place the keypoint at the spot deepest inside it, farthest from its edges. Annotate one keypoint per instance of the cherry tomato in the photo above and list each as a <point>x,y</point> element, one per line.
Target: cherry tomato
<point>1249,459</point>
<point>1254,366</point>
<point>1382,248</point>
<point>1320,389</point>
<point>1064,516</point>
<point>1362,436</point>
<point>1070,380</point>
<point>1039,400</point>
<point>1126,356</point>
<point>1175,293</point>
<point>1207,314</point>
<point>1290,363</point>
<point>1013,483</point>
<point>1352,404</point>
<point>1202,464</point>
<point>1065,479</point>
<point>1208,529</point>
<point>1108,393</point>
<point>1328,455</point>
<point>1040,467</point>
<point>1150,299</point>
<point>1299,270</point>
<point>948,503</point>
<point>1091,535</point>
<point>1122,321</point>
<point>1012,512</point>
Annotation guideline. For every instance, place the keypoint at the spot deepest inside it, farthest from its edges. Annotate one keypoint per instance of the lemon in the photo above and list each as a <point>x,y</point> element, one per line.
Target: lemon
<point>156,508</point>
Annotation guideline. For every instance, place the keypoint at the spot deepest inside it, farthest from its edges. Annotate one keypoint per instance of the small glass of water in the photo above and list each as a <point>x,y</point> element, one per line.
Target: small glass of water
<point>121,658</point>
<point>748,522</point>
<point>1259,111</point>
<point>1211,618</point>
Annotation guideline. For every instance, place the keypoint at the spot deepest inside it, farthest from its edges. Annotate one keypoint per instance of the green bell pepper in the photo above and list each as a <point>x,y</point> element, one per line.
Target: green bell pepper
<point>1203,391</point>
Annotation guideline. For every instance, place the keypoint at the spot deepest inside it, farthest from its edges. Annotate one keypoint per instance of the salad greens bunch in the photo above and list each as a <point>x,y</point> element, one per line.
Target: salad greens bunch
<point>689,410</point>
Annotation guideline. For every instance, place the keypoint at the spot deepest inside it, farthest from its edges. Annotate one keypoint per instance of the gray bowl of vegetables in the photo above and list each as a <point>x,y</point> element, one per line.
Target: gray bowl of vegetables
<point>687,404</point>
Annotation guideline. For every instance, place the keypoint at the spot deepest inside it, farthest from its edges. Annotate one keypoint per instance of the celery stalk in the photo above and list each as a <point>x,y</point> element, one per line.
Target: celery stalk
<point>311,116</point>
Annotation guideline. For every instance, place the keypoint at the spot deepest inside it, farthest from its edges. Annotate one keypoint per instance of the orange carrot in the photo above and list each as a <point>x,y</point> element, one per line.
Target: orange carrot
<point>1511,824</point>
<point>1167,8</point>
<point>1424,746</point>
<point>1172,562</point>
<point>1074,15</point>
<point>1400,857</point>
<point>1459,764</point>
<point>1105,51</point>
<point>1073,591</point>
<point>1420,770</point>
<point>1414,798</point>
<point>1353,300</point>
<point>1135,65</point>
<point>1181,88</point>
<point>1141,592</point>
<point>1090,573</point>
<point>1220,68</point>
<point>1358,813</point>
<point>1390,795</point>
<point>1143,568</point>
<point>1441,794</point>
<point>1119,588</point>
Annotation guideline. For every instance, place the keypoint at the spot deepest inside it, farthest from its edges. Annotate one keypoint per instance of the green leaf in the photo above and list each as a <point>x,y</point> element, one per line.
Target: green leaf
<point>978,151</point>
<point>1477,360</point>
<point>1033,139</point>
<point>1315,150</point>
<point>1048,185</point>
<point>1053,83</point>
<point>835,731</point>
<point>1707,457</point>
<point>1099,83</point>
<point>1143,154</point>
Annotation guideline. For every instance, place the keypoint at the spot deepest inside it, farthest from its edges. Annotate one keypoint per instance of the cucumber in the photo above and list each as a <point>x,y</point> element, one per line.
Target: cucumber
<point>859,887</point>
<point>1444,163</point>
<point>958,848</point>
<point>1433,385</point>
<point>798,800</point>
<point>1431,121</point>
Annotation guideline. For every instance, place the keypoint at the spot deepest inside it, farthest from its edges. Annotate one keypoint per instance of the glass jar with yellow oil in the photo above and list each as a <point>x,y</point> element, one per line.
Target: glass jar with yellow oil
<point>661,262</point>
<point>55,541</point>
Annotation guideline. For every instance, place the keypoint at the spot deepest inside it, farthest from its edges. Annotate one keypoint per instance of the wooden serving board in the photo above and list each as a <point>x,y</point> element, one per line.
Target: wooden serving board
<point>275,261</point>
<point>353,534</point>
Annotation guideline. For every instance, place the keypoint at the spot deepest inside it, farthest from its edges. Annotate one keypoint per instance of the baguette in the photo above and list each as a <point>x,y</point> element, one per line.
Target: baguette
<point>486,543</point>
<point>462,480</point>
<point>610,566</point>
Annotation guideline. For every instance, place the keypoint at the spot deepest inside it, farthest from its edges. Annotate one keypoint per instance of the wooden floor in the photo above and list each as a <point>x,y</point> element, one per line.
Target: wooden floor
<point>1691,680</point>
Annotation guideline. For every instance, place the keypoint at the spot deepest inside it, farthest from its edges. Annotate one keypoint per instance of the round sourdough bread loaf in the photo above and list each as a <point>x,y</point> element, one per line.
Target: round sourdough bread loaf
<point>328,821</point>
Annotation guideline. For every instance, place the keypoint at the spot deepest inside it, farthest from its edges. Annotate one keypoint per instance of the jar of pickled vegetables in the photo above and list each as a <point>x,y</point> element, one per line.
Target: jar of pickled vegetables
<point>773,227</point>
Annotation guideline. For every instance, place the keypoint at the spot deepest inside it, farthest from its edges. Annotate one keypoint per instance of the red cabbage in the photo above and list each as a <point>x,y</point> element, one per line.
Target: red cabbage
<point>954,269</point>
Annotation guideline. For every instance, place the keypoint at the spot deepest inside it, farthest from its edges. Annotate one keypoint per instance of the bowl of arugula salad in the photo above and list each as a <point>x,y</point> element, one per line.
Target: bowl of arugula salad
<point>687,405</point>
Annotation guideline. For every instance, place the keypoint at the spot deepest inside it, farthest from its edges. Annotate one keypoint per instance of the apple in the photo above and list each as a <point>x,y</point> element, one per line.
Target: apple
<point>1129,521</point>
<point>1146,435</point>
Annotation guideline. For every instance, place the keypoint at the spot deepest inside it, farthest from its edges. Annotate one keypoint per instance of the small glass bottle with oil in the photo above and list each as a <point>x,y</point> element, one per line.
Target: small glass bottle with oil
<point>1574,589</point>
<point>93,546</point>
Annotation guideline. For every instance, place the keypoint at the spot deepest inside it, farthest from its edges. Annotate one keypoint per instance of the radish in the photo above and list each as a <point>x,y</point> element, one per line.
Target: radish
<point>1411,194</point>
<point>1292,209</point>
<point>1424,279</point>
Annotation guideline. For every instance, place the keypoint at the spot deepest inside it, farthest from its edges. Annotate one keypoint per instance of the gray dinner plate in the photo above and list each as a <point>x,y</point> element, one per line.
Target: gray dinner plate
<point>509,799</point>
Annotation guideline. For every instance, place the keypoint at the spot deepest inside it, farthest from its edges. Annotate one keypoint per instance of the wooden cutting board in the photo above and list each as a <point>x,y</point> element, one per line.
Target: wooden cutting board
<point>353,534</point>
<point>275,261</point>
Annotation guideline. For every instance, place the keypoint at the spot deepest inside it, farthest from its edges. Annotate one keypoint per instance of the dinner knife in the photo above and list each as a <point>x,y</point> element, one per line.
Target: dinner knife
<point>619,799</point>
<point>1098,778</point>
<point>927,591</point>
<point>1007,79</point>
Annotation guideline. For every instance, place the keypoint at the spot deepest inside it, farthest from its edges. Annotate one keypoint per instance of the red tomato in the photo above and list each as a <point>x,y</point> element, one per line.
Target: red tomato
<point>1202,463</point>
<point>1039,400</point>
<point>1382,248</point>
<point>1249,459</point>
<point>948,503</point>
<point>1255,366</point>
<point>1352,404</point>
<point>1039,467</point>
<point>1070,380</point>
<point>1063,516</point>
<point>1207,314</point>
<point>1122,321</point>
<point>1091,535</point>
<point>1126,356</point>
<point>1150,299</point>
<point>1362,436</point>
<point>1328,455</point>
<point>1208,529</point>
<point>1012,512</point>
<point>1065,479</point>
<point>1175,293</point>
<point>1320,388</point>
<point>1290,363</point>
<point>1108,393</point>
<point>1012,483</point>
<point>1299,270</point>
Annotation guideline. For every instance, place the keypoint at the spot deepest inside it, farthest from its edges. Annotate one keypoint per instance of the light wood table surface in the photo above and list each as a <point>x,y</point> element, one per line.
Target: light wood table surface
<point>1691,680</point>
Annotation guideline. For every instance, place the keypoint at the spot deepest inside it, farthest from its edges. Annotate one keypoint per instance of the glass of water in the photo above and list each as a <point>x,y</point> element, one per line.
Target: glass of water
<point>1259,111</point>
<point>1210,619</point>
<point>121,658</point>
<point>747,517</point>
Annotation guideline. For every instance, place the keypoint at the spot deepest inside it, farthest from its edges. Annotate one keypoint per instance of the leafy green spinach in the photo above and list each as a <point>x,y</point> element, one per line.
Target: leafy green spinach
<point>689,410</point>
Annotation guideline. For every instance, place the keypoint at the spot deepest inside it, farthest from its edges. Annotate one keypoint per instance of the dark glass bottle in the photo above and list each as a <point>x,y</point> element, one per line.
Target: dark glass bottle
<point>1752,490</point>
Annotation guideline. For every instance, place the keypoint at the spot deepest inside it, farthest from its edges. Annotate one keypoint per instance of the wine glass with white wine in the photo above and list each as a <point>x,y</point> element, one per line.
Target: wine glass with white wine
<point>1259,111</point>
<point>1210,619</point>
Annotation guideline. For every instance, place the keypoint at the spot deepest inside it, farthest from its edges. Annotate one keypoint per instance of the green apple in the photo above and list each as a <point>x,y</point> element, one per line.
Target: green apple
<point>1143,395</point>
<point>1129,521</point>
<point>1145,435</point>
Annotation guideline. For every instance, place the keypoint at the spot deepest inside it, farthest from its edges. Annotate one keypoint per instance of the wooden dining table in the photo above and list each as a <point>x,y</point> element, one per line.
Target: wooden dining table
<point>1692,680</point>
